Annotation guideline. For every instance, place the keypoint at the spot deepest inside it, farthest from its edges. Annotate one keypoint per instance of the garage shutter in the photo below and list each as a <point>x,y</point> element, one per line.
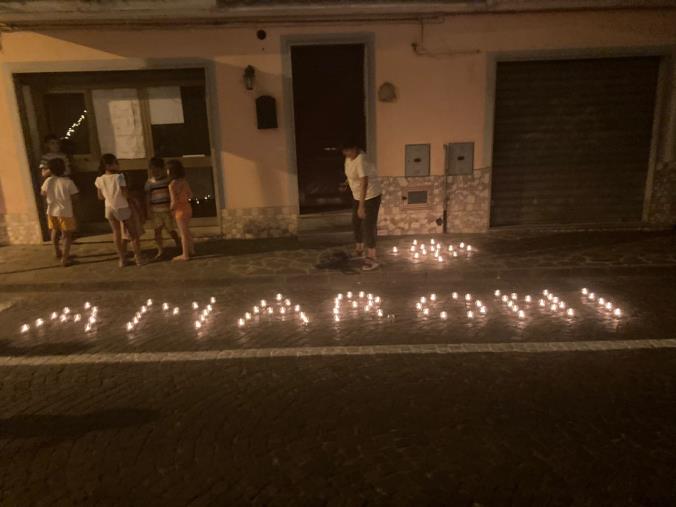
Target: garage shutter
<point>572,140</point>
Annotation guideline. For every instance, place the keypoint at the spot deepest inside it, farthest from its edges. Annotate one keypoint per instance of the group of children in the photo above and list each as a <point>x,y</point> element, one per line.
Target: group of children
<point>168,196</point>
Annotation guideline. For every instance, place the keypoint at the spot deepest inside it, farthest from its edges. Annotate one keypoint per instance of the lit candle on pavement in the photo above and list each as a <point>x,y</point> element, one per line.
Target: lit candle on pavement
<point>25,328</point>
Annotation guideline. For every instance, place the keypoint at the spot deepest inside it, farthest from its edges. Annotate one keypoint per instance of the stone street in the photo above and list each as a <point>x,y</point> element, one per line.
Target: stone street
<point>185,404</point>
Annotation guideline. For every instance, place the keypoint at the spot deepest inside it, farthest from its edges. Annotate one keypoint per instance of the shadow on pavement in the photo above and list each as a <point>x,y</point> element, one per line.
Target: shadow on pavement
<point>68,426</point>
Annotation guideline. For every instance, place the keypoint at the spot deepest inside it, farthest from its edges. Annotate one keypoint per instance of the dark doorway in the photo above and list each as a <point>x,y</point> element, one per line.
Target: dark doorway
<point>329,104</point>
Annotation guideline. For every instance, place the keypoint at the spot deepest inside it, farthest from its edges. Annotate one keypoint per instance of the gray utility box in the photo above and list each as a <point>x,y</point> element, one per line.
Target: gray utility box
<point>459,159</point>
<point>417,160</point>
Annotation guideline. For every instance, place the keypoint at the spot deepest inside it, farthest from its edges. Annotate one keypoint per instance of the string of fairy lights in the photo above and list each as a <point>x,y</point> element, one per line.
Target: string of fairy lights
<point>73,128</point>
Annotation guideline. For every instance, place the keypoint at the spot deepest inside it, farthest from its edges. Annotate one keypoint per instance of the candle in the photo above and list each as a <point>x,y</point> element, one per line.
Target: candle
<point>349,295</point>
<point>522,314</point>
<point>562,305</point>
<point>63,318</point>
<point>416,255</point>
<point>555,300</point>
<point>527,299</point>
<point>195,306</point>
<point>287,302</point>
<point>87,305</point>
<point>541,302</point>
<point>361,294</point>
<point>570,312</point>
<point>415,241</point>
<point>296,308</point>
<point>175,311</point>
<point>264,303</point>
<point>40,322</point>
<point>278,297</point>
<point>88,327</point>
<point>412,249</point>
<point>432,241</point>
<point>212,300</point>
<point>210,308</point>
<point>270,310</point>
<point>554,308</point>
<point>601,301</point>
<point>450,248</point>
<point>443,315</point>
<point>426,311</point>
<point>609,306</point>
<point>591,296</point>
<point>135,320</point>
<point>247,316</point>
<point>66,310</point>
<point>144,309</point>
<point>440,259</point>
<point>76,318</point>
<point>469,248</point>
<point>454,295</point>
<point>423,300</point>
<point>336,318</point>
<point>545,292</point>
<point>25,328</point>
<point>380,312</point>
<point>550,296</point>
<point>203,318</point>
<point>504,298</point>
<point>497,293</point>
<point>482,310</point>
<point>130,326</point>
<point>455,254</point>
<point>165,306</point>
<point>149,302</point>
<point>394,250</point>
<point>479,304</point>
<point>92,320</point>
<point>367,308</point>
<point>515,309</point>
<point>462,244</point>
<point>369,297</point>
<point>470,314</point>
<point>355,304</point>
<point>336,311</point>
<point>510,303</point>
<point>514,296</point>
<point>256,310</point>
<point>617,312</point>
<point>282,310</point>
<point>198,324</point>
<point>585,291</point>
<point>433,297</point>
<point>418,306</point>
<point>377,299</point>
<point>468,297</point>
<point>54,316</point>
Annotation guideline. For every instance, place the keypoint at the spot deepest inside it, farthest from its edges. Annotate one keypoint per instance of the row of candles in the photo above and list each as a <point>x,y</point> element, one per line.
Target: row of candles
<point>435,250</point>
<point>90,318</point>
<point>366,303</point>
<point>281,307</point>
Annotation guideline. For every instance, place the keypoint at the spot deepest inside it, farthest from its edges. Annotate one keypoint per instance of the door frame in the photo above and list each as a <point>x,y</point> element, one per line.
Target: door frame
<point>658,144</point>
<point>367,39</point>
<point>9,71</point>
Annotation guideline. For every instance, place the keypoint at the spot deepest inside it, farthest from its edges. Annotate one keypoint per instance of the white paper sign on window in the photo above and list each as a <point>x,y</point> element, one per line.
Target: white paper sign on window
<point>166,105</point>
<point>118,121</point>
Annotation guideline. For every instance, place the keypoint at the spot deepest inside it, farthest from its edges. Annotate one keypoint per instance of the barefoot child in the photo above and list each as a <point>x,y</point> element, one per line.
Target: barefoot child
<point>180,194</point>
<point>112,188</point>
<point>157,203</point>
<point>59,192</point>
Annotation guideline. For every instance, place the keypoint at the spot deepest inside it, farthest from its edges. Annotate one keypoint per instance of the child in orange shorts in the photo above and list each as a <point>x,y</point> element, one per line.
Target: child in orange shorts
<point>59,191</point>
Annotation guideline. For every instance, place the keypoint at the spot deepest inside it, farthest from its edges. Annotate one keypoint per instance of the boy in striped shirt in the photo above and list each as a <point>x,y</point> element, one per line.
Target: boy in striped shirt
<point>158,201</point>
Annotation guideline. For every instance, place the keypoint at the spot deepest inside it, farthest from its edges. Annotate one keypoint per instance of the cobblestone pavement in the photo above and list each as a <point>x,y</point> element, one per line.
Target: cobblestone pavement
<point>565,429</point>
<point>646,303</point>
<point>219,261</point>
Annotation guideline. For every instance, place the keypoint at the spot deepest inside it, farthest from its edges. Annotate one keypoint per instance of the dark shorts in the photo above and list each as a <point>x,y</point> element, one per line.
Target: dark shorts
<point>366,229</point>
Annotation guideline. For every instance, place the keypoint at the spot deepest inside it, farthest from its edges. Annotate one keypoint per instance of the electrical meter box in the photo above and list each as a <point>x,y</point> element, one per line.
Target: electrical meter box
<point>417,160</point>
<point>459,159</point>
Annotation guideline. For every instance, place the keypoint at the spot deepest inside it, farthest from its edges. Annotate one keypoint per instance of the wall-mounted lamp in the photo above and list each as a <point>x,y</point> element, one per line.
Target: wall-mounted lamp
<point>249,77</point>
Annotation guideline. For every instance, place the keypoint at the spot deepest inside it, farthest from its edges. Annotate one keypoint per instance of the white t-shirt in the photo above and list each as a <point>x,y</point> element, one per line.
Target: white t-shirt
<point>110,186</point>
<point>58,191</point>
<point>357,169</point>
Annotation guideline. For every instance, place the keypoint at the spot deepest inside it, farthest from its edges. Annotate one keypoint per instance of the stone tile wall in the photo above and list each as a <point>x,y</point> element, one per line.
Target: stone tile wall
<point>268,222</point>
<point>19,229</point>
<point>468,204</point>
<point>662,210</point>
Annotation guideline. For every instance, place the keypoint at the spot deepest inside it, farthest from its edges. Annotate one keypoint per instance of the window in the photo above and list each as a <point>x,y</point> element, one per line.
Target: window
<point>190,137</point>
<point>68,119</point>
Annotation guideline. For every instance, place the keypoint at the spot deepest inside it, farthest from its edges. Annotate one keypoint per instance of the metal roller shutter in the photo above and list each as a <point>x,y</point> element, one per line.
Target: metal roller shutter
<point>572,140</point>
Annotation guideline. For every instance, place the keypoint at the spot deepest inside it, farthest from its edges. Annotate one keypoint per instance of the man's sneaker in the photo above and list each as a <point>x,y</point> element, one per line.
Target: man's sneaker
<point>370,264</point>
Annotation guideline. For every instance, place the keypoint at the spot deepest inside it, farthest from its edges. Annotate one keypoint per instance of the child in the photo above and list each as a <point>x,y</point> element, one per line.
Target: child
<point>53,151</point>
<point>112,188</point>
<point>158,201</point>
<point>180,195</point>
<point>363,181</point>
<point>59,192</point>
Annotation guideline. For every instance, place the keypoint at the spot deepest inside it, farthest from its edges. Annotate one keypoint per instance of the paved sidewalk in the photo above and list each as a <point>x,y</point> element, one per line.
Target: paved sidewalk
<point>494,254</point>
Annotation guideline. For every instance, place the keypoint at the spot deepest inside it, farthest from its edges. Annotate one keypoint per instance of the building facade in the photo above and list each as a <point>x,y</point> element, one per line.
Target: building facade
<point>475,119</point>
